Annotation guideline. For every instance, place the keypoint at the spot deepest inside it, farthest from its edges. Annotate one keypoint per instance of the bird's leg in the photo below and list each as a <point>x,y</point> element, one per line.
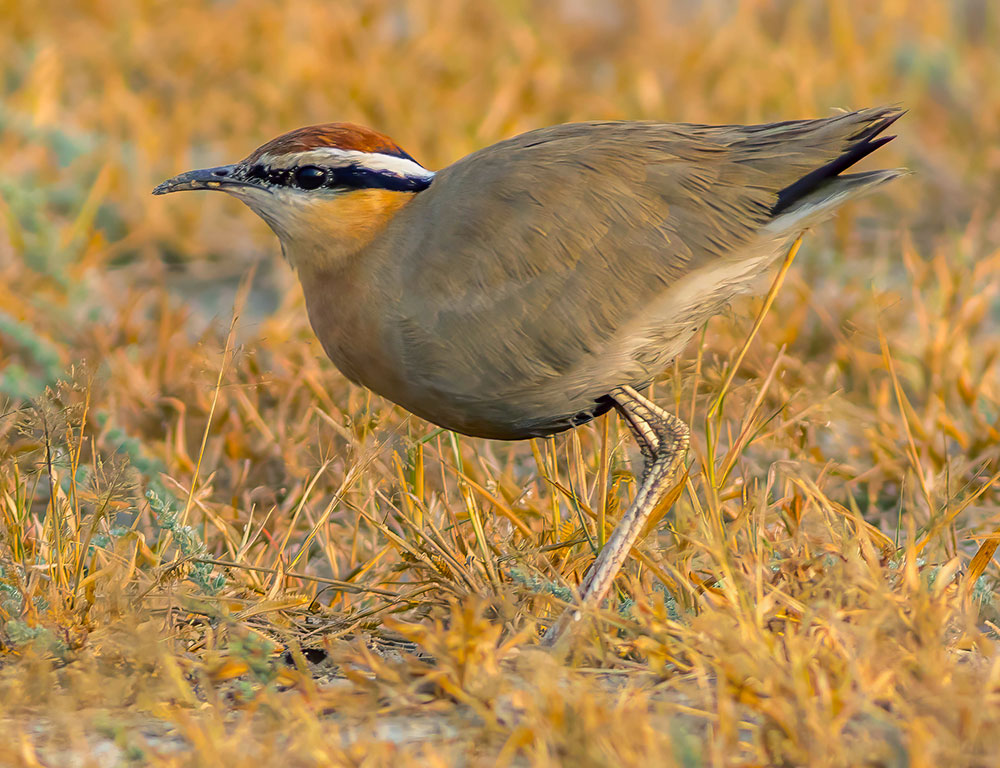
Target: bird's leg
<point>663,439</point>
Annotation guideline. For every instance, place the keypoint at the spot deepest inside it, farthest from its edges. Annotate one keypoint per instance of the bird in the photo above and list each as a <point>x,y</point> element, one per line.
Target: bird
<point>544,280</point>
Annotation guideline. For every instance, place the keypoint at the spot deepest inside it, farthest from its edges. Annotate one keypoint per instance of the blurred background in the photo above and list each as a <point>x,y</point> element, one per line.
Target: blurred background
<point>872,389</point>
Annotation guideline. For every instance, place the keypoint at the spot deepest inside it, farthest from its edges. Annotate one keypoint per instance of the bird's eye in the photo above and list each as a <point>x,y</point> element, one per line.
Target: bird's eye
<point>310,177</point>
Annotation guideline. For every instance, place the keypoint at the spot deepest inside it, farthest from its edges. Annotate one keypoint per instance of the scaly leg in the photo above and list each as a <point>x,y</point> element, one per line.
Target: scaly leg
<point>663,439</point>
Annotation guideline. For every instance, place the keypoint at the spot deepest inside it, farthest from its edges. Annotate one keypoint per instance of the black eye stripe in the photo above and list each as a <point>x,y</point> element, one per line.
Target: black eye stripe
<point>275,177</point>
<point>343,177</point>
<point>359,177</point>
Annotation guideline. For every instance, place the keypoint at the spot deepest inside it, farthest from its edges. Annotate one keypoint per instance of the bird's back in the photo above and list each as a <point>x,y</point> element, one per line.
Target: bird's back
<point>534,275</point>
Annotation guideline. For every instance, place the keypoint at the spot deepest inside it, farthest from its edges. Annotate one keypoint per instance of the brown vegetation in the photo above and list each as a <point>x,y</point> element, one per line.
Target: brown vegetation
<point>214,549</point>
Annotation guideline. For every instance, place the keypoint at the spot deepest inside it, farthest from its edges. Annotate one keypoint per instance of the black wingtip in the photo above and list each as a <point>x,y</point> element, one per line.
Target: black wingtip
<point>864,143</point>
<point>869,132</point>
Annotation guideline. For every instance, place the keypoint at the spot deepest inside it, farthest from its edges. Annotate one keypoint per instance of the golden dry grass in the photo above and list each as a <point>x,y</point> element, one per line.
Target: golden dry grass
<point>824,591</point>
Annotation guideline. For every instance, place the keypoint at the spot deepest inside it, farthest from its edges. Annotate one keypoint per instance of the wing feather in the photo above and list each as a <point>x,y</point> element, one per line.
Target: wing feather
<point>548,245</point>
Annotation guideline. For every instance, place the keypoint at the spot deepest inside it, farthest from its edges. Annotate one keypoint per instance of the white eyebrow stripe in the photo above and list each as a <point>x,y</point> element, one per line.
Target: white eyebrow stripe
<point>333,157</point>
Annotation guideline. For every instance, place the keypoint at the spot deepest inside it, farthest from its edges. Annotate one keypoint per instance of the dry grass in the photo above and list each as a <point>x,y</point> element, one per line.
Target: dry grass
<point>214,549</point>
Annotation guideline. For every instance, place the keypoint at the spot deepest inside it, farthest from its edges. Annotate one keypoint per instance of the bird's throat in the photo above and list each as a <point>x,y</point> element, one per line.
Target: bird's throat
<point>321,235</point>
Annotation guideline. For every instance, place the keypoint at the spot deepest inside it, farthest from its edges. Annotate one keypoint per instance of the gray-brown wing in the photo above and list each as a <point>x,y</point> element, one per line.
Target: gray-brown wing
<point>548,244</point>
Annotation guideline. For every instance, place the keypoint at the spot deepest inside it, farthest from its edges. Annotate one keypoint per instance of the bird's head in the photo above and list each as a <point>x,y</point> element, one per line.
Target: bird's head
<point>325,190</point>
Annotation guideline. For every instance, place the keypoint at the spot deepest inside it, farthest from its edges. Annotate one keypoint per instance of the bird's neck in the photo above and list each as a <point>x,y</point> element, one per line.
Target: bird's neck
<point>326,235</point>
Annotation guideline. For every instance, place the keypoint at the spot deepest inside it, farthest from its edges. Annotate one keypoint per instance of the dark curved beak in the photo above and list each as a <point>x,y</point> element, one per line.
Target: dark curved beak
<point>206,178</point>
